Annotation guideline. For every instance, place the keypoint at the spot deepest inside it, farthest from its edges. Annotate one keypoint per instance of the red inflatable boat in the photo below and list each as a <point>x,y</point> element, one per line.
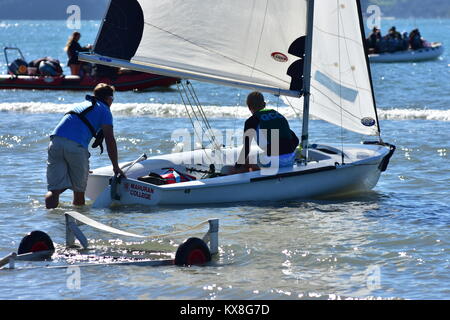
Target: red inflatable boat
<point>22,76</point>
<point>122,82</point>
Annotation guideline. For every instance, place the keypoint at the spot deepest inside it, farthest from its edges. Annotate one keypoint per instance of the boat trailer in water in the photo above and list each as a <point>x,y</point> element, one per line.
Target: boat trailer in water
<point>38,246</point>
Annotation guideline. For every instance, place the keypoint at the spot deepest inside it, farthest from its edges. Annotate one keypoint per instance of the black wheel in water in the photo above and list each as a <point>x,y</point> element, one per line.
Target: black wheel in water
<point>36,241</point>
<point>193,251</point>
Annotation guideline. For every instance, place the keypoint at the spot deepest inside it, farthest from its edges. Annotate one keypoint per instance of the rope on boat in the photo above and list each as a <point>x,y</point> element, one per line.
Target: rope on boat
<point>190,98</point>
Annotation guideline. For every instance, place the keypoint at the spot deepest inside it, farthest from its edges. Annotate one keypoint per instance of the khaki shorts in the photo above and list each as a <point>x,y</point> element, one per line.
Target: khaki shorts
<point>67,165</point>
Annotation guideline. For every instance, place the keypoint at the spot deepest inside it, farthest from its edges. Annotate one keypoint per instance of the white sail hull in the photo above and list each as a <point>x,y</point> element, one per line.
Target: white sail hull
<point>423,54</point>
<point>318,179</point>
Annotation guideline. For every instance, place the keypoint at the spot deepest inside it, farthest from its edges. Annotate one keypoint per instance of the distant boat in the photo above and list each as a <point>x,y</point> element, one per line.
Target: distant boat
<point>123,81</point>
<point>431,52</point>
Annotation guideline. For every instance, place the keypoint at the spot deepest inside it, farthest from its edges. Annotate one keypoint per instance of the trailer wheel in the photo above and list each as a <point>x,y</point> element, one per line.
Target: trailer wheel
<point>36,241</point>
<point>193,251</point>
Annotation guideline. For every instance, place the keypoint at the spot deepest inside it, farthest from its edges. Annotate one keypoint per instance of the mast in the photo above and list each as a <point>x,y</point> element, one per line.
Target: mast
<point>307,79</point>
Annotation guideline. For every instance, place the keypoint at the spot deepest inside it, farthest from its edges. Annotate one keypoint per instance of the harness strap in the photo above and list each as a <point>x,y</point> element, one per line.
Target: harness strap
<point>82,116</point>
<point>85,120</point>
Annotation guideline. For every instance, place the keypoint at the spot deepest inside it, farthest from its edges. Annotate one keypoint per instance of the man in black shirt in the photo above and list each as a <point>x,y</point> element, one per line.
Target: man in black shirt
<point>273,135</point>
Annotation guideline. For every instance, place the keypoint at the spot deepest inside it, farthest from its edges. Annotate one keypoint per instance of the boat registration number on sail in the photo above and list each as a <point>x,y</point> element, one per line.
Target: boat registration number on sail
<point>139,191</point>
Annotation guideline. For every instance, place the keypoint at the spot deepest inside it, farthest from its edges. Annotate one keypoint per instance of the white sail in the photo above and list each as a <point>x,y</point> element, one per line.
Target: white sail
<point>231,39</point>
<point>238,41</point>
<point>251,44</point>
<point>341,90</point>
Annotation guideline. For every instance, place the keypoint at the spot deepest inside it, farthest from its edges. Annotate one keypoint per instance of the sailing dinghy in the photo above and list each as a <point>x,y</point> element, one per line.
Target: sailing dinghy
<point>312,53</point>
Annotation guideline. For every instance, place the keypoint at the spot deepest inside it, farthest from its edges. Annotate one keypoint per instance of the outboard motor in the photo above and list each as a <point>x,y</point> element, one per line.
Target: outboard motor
<point>18,67</point>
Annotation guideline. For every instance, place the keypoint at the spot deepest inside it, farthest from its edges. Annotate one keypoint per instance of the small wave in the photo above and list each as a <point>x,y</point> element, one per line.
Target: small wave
<point>36,107</point>
<point>8,25</point>
<point>412,114</point>
<point>179,111</point>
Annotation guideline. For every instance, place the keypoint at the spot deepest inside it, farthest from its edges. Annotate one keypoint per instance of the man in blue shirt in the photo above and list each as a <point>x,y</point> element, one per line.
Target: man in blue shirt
<point>68,155</point>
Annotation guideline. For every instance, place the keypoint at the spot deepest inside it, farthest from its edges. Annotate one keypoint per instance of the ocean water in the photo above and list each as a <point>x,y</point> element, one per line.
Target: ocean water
<point>392,242</point>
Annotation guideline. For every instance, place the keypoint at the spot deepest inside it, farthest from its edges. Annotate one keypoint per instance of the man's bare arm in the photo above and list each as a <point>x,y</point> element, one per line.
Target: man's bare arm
<point>111,146</point>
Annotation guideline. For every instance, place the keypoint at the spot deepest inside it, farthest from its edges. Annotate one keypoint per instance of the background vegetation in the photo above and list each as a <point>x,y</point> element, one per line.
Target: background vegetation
<point>412,8</point>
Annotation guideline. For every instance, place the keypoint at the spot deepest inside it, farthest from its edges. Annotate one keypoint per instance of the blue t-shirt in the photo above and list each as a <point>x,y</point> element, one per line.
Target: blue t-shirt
<point>71,126</point>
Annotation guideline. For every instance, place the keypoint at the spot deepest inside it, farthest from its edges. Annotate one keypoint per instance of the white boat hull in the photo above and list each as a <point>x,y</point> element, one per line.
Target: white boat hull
<point>428,53</point>
<point>318,179</point>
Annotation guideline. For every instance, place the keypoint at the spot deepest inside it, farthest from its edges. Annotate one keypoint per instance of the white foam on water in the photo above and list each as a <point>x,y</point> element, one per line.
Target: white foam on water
<point>413,114</point>
<point>179,111</point>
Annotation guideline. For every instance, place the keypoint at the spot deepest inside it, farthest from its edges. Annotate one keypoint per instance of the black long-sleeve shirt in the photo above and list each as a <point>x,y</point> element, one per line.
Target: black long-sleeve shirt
<point>72,52</point>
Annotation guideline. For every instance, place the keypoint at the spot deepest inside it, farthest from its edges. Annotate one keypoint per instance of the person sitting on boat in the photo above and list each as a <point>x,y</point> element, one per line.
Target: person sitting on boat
<point>373,39</point>
<point>262,127</point>
<point>394,34</point>
<point>72,48</point>
<point>46,66</point>
<point>393,40</point>
<point>68,155</point>
<point>415,40</point>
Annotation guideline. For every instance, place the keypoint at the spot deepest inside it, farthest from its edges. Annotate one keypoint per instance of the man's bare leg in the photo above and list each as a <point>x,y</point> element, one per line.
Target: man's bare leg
<point>78,199</point>
<point>52,198</point>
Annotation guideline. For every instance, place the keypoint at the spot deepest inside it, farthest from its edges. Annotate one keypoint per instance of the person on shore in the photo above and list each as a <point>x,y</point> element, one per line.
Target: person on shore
<point>261,127</point>
<point>68,154</point>
<point>73,48</point>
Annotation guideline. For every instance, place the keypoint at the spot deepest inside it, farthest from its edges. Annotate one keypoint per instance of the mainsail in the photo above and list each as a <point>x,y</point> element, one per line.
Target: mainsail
<point>258,45</point>
<point>255,44</point>
<point>341,88</point>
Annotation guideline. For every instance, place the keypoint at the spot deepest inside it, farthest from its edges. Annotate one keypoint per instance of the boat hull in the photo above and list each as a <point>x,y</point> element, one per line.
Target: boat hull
<point>124,82</point>
<point>428,53</point>
<point>318,179</point>
<point>340,182</point>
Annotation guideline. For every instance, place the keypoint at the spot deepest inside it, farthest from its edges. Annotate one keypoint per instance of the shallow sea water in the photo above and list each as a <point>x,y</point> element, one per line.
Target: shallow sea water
<point>392,242</point>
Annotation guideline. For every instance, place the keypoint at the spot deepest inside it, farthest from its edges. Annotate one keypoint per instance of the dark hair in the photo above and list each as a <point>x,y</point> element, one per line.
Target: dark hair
<point>255,100</point>
<point>103,90</point>
<point>71,39</point>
